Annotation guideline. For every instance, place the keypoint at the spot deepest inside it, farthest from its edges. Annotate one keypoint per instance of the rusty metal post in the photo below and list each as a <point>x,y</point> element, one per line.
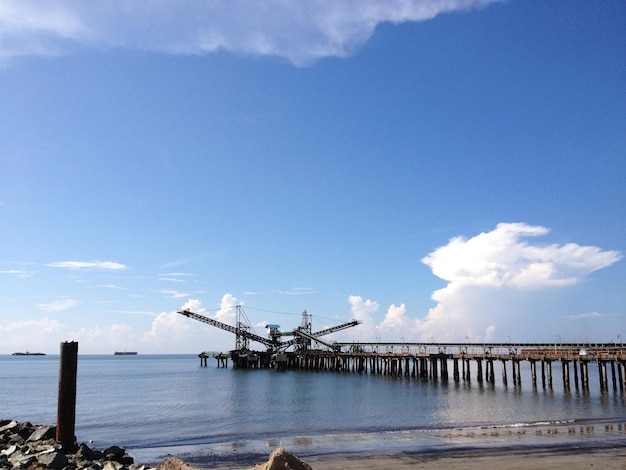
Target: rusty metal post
<point>66,410</point>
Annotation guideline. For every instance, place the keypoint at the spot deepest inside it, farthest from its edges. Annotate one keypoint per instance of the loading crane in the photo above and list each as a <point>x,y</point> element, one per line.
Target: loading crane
<point>302,335</point>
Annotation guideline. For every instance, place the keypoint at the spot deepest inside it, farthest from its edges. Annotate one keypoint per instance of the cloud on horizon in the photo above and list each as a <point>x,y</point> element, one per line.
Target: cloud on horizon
<point>300,31</point>
<point>497,282</point>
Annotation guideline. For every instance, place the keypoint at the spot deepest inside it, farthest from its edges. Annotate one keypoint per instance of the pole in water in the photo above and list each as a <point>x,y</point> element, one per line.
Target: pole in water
<point>66,410</point>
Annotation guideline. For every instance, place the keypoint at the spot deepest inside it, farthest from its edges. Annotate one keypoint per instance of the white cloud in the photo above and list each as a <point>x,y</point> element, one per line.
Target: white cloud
<point>174,294</point>
<point>42,335</point>
<point>297,291</point>
<point>59,305</point>
<point>497,283</point>
<point>227,312</point>
<point>489,273</point>
<point>103,265</point>
<point>104,339</point>
<point>301,31</point>
<point>17,272</point>
<point>585,316</point>
<point>502,257</point>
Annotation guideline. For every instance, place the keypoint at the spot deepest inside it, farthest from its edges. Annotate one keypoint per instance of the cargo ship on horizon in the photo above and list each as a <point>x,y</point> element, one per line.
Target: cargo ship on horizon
<point>125,353</point>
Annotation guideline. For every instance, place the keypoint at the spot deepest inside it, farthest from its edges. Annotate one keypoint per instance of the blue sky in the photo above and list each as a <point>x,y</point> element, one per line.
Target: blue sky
<point>438,170</point>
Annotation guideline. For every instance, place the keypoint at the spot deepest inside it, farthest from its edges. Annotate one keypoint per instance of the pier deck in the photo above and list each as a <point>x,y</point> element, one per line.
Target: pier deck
<point>455,361</point>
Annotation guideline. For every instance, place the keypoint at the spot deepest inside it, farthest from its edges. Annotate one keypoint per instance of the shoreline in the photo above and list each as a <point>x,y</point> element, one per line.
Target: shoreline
<point>554,457</point>
<point>562,445</point>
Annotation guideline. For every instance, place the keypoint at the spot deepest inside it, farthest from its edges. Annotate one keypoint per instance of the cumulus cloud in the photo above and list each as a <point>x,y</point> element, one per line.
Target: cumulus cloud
<point>101,265</point>
<point>227,312</point>
<point>41,335</point>
<point>487,272</point>
<point>503,257</point>
<point>115,337</point>
<point>301,31</point>
<point>497,282</point>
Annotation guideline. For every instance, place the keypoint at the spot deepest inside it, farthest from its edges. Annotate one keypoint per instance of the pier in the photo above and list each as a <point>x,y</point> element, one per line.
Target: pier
<point>456,362</point>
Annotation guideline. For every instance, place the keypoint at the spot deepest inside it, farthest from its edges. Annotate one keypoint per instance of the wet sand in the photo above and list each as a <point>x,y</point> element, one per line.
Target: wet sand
<point>567,447</point>
<point>527,459</point>
<point>562,458</point>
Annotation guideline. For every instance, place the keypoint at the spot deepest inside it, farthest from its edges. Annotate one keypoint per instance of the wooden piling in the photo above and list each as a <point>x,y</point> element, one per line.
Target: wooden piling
<point>565,364</point>
<point>66,409</point>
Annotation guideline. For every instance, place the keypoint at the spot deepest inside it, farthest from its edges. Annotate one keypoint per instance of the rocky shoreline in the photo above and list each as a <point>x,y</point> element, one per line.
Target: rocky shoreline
<point>28,446</point>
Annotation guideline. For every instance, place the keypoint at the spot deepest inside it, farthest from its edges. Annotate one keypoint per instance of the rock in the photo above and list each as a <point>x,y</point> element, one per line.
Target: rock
<point>112,465</point>
<point>55,460</point>
<point>280,459</point>
<point>115,453</point>
<point>9,450</point>
<point>8,425</point>
<point>16,439</point>
<point>28,447</point>
<point>43,433</point>
<point>172,463</point>
<point>24,429</point>
<point>85,453</point>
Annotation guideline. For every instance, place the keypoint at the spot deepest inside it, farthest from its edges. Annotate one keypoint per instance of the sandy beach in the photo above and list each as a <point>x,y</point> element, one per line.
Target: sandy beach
<point>553,458</point>
<point>547,458</point>
<point>597,446</point>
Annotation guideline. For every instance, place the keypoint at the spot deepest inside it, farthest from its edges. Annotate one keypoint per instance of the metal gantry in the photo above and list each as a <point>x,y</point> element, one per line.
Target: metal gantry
<point>302,336</point>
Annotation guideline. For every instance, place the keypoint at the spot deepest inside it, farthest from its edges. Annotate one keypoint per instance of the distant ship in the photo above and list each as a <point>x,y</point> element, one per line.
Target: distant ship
<point>27,354</point>
<point>125,353</point>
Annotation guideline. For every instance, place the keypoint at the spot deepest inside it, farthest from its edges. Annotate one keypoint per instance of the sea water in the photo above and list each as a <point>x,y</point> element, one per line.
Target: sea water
<point>159,404</point>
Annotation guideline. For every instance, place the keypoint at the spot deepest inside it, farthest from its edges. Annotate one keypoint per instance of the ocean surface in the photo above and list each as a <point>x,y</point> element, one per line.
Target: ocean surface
<point>156,405</point>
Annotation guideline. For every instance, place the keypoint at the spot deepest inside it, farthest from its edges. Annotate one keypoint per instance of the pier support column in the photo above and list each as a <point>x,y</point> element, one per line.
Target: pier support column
<point>613,375</point>
<point>584,374</point>
<point>514,370</point>
<point>433,368</point>
<point>575,367</point>
<point>533,372</point>
<point>565,364</point>
<point>504,378</point>
<point>479,370</point>
<point>549,370</point>
<point>443,372</point>
<point>602,375</point>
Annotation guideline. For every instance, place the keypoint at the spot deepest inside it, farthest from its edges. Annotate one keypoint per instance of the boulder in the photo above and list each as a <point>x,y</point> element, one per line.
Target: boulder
<point>85,453</point>
<point>114,453</point>
<point>43,433</point>
<point>8,425</point>
<point>55,460</point>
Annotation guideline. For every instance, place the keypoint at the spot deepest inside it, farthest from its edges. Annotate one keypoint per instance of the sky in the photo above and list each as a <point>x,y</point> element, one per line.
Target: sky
<point>442,171</point>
